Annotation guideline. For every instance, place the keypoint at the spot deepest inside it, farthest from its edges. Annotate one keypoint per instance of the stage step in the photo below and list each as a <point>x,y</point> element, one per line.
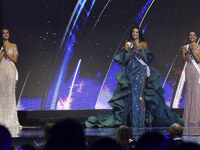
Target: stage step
<point>41,118</point>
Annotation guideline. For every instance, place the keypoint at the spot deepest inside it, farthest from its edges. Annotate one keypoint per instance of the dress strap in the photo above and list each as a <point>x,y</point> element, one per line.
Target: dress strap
<point>129,44</point>
<point>17,75</point>
<point>1,49</point>
<point>187,47</point>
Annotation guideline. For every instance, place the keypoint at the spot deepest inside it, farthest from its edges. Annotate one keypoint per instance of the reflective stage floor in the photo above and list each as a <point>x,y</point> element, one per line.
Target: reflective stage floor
<point>36,135</point>
<point>33,123</point>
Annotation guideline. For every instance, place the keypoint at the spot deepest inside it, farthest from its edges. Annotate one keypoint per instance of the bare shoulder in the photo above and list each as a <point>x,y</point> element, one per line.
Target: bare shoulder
<point>144,44</point>
<point>127,45</point>
<point>14,45</point>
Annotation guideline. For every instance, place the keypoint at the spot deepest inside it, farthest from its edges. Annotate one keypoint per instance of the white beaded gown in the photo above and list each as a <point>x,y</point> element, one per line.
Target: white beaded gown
<point>8,107</point>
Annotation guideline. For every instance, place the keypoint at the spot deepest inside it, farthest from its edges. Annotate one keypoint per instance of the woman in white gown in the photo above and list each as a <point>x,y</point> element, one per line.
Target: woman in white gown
<point>8,78</point>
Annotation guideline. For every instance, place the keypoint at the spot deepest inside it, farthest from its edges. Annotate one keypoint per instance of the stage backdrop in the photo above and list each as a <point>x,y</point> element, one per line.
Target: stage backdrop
<point>66,47</point>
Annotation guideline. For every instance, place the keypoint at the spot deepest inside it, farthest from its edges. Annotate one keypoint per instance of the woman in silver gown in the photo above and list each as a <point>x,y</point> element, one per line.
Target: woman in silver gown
<point>191,55</point>
<point>8,78</point>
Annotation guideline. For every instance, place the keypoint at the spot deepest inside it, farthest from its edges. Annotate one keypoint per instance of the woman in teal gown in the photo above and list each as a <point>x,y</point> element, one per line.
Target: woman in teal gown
<point>138,97</point>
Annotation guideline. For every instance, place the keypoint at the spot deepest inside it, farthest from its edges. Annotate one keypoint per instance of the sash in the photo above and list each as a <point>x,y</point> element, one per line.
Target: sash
<point>181,83</point>
<point>17,75</point>
<point>140,60</point>
<point>179,89</point>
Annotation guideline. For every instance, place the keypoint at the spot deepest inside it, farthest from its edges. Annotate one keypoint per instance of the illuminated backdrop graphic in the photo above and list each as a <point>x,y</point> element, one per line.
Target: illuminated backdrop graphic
<point>69,46</point>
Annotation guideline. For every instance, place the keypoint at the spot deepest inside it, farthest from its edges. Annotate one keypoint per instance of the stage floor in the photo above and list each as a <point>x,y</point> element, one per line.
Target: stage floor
<point>33,123</point>
<point>35,135</point>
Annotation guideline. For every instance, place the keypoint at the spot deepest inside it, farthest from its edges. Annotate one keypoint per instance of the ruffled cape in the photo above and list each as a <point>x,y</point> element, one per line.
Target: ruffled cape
<point>157,112</point>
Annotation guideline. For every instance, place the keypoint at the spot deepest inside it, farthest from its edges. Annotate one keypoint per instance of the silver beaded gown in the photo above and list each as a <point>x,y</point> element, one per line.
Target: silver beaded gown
<point>8,107</point>
<point>191,114</point>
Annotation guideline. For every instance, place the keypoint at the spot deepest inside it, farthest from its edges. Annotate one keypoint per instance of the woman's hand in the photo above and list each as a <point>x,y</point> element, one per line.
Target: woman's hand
<point>191,47</point>
<point>134,47</point>
<point>14,56</point>
<point>6,52</point>
<point>133,50</point>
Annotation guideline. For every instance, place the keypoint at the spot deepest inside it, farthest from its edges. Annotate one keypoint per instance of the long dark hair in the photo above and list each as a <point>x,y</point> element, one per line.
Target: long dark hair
<point>1,42</point>
<point>141,38</point>
<point>124,133</point>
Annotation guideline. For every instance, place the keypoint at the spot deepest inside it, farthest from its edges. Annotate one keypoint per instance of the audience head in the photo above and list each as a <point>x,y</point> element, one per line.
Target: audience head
<point>5,138</point>
<point>47,130</point>
<point>124,136</point>
<point>176,130</point>
<point>105,143</point>
<point>66,135</point>
<point>154,141</point>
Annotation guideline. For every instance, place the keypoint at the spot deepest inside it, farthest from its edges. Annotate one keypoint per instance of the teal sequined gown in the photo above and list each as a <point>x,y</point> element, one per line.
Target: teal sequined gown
<point>126,102</point>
